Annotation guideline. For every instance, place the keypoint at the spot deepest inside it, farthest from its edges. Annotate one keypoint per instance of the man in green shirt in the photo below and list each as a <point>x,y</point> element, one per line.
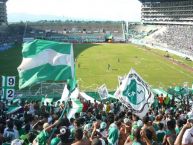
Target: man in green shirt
<point>43,136</point>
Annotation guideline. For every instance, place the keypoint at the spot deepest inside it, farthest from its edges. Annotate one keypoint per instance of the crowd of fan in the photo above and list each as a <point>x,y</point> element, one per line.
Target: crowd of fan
<point>179,38</point>
<point>97,124</point>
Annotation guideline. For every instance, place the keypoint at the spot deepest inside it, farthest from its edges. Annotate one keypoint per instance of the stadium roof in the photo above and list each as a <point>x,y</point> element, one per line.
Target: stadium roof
<point>3,0</point>
<point>161,0</point>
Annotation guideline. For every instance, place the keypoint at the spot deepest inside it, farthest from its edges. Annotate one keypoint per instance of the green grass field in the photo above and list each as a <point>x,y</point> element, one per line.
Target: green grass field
<point>150,64</point>
<point>92,65</point>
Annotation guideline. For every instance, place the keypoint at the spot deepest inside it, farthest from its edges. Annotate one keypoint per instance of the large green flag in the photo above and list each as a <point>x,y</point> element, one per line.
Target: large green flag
<point>45,60</point>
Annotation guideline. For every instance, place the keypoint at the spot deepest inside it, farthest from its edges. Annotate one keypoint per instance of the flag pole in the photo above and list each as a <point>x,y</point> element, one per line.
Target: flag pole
<point>61,116</point>
<point>65,107</point>
<point>72,74</point>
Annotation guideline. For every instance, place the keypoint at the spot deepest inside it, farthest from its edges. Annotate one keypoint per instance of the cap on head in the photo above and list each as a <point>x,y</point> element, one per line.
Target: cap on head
<point>45,125</point>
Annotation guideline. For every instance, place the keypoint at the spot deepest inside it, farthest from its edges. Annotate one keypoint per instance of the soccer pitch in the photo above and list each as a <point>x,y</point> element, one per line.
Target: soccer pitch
<point>97,64</point>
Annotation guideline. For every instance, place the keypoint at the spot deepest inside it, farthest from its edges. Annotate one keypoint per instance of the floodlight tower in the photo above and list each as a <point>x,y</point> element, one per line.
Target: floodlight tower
<point>3,12</point>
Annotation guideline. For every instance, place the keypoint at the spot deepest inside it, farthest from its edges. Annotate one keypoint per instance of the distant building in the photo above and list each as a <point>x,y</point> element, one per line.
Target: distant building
<point>3,12</point>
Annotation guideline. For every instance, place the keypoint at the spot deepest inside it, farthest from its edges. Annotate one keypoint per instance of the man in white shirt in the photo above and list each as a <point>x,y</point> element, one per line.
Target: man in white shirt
<point>10,131</point>
<point>186,134</point>
<point>188,137</point>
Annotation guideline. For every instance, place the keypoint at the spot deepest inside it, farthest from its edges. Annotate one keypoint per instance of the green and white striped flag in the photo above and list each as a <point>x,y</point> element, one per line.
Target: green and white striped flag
<point>13,109</point>
<point>45,60</point>
<point>76,104</point>
<point>76,108</point>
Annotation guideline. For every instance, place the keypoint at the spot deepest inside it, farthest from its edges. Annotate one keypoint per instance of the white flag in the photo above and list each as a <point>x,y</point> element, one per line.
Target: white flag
<point>135,94</point>
<point>65,94</point>
<point>103,92</point>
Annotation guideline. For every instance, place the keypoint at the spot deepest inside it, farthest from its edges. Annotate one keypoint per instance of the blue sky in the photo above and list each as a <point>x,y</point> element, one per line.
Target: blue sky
<point>25,10</point>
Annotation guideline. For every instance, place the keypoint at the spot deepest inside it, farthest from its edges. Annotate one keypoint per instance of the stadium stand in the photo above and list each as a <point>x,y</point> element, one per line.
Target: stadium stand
<point>5,46</point>
<point>68,31</point>
<point>174,37</point>
<point>177,37</point>
<point>166,25</point>
<point>3,12</point>
<point>167,12</point>
<point>141,31</point>
<point>83,119</point>
<point>76,31</point>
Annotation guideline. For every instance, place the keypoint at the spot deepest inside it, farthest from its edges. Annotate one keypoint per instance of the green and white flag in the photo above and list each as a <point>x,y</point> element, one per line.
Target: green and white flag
<point>66,94</point>
<point>88,98</point>
<point>135,94</point>
<point>113,135</point>
<point>45,61</point>
<point>13,109</point>
<point>76,108</point>
<point>76,104</point>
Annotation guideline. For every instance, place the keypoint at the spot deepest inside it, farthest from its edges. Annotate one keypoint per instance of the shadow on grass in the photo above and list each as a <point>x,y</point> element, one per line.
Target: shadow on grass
<point>9,61</point>
<point>79,48</point>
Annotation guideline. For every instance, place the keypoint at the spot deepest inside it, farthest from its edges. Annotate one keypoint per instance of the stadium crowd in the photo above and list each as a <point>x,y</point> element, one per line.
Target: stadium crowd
<point>179,38</point>
<point>166,123</point>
